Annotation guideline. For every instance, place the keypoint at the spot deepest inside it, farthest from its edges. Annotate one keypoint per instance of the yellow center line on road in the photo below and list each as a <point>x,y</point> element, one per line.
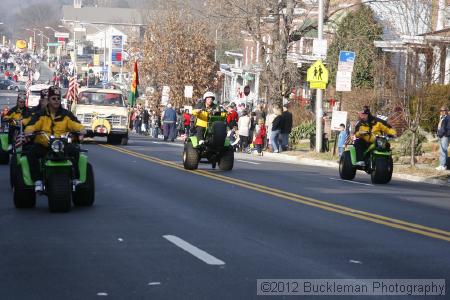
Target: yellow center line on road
<point>390,222</point>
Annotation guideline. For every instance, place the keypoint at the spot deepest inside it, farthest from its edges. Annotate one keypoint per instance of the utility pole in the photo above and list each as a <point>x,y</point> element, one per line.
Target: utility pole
<point>319,94</point>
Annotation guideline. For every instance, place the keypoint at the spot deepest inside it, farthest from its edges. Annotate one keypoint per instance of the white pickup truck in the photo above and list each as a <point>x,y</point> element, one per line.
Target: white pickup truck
<point>103,113</point>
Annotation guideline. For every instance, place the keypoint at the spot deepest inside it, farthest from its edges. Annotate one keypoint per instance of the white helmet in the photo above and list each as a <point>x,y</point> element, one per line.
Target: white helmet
<point>209,95</point>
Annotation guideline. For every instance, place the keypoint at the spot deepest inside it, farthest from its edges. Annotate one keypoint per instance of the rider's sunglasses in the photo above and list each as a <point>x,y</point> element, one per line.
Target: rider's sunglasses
<point>54,98</point>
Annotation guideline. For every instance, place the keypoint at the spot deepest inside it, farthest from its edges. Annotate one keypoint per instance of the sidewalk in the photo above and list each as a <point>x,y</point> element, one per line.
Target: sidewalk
<point>422,173</point>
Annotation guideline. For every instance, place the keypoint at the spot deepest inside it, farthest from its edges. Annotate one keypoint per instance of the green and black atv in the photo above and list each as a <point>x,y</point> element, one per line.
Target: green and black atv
<point>4,153</point>
<point>60,183</point>
<point>377,159</point>
<point>215,150</point>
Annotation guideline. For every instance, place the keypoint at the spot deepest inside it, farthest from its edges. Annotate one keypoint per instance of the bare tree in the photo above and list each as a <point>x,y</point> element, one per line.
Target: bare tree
<point>178,51</point>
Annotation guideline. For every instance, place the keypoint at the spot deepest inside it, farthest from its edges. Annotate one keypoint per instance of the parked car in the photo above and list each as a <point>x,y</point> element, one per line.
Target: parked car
<point>17,86</point>
<point>5,83</point>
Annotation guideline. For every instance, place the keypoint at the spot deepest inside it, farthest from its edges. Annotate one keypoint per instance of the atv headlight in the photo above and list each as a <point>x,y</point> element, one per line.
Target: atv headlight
<point>381,143</point>
<point>57,146</point>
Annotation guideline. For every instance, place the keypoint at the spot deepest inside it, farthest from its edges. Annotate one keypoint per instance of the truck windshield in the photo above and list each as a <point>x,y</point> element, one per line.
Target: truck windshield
<point>105,99</point>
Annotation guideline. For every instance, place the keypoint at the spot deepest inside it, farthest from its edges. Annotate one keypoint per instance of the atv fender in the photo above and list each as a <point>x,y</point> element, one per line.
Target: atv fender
<point>194,141</point>
<point>352,150</point>
<point>4,141</point>
<point>82,167</point>
<point>25,166</point>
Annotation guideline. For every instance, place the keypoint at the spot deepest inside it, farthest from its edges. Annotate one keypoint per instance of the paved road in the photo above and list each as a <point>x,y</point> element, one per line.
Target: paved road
<point>160,232</point>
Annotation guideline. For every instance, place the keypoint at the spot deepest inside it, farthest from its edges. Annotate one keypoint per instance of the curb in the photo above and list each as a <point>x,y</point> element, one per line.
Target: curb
<point>332,164</point>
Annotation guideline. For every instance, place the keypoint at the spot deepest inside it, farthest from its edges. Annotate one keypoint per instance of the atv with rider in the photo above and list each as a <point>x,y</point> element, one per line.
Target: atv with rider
<point>210,144</point>
<point>377,161</point>
<point>62,183</point>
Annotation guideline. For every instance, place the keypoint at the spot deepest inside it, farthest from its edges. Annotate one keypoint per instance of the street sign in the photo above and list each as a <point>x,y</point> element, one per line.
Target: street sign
<point>320,47</point>
<point>317,76</point>
<point>346,61</point>
<point>188,91</point>
<point>165,95</point>
<point>53,44</point>
<point>79,29</point>
<point>62,35</point>
<point>337,118</point>
<point>343,81</point>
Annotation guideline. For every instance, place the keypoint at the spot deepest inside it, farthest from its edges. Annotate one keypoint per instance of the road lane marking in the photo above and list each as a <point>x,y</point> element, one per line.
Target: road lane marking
<point>154,283</point>
<point>248,162</point>
<point>340,209</point>
<point>200,254</point>
<point>350,181</point>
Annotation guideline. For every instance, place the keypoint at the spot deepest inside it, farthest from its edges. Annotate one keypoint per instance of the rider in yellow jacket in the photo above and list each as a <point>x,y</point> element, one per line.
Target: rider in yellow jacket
<point>53,121</point>
<point>367,128</point>
<point>16,114</point>
<point>202,111</point>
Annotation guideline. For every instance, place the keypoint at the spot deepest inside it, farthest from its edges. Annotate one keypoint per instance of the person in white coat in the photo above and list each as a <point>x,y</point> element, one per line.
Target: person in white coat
<point>244,124</point>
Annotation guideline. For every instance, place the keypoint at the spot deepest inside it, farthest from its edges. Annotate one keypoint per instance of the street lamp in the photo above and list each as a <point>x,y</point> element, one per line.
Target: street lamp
<point>42,39</point>
<point>34,39</point>
<point>48,48</point>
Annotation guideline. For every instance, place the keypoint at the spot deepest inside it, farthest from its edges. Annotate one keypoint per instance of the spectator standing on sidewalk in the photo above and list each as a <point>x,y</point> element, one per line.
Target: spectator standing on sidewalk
<point>269,120</point>
<point>276,131</point>
<point>286,127</point>
<point>169,119</point>
<point>443,133</point>
<point>186,122</point>
<point>260,136</point>
<point>244,124</point>
<point>343,134</point>
<point>145,120</point>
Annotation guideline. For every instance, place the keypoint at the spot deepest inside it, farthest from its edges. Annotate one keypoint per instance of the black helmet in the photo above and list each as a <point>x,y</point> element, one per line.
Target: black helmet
<point>54,91</point>
<point>21,96</point>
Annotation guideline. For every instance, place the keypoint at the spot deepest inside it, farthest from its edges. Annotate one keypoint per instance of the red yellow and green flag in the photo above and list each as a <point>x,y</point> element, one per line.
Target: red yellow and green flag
<point>134,94</point>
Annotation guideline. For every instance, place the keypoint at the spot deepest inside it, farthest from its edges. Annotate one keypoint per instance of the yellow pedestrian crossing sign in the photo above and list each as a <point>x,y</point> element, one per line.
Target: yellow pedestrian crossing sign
<point>317,76</point>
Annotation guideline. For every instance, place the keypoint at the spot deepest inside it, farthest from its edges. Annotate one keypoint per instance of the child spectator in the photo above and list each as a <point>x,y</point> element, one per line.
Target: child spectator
<point>260,136</point>
<point>341,139</point>
<point>233,135</point>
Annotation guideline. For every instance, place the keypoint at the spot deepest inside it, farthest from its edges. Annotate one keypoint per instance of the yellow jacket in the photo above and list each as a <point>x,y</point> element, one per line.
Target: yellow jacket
<point>375,126</point>
<point>60,123</point>
<point>16,113</point>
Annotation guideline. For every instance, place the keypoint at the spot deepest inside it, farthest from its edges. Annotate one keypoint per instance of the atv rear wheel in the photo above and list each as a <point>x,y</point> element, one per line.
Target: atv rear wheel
<point>219,133</point>
<point>59,191</point>
<point>382,171</point>
<point>4,157</point>
<point>84,194</point>
<point>226,161</point>
<point>191,157</point>
<point>346,169</point>
<point>13,170</point>
<point>24,196</point>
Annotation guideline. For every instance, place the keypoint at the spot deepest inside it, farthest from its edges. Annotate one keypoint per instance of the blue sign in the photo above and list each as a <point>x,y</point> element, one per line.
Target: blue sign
<point>346,56</point>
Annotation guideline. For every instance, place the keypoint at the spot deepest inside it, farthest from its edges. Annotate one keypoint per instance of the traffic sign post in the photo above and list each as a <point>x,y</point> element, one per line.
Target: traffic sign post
<point>317,76</point>
<point>344,72</point>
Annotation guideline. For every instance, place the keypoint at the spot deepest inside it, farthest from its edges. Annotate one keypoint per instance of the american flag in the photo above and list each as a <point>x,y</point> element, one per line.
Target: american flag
<point>72,92</point>
<point>27,85</point>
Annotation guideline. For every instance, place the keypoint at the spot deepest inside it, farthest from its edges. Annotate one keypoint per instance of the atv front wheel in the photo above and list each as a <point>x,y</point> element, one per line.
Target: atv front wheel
<point>226,161</point>
<point>191,157</point>
<point>382,171</point>
<point>59,190</point>
<point>84,194</point>
<point>346,169</point>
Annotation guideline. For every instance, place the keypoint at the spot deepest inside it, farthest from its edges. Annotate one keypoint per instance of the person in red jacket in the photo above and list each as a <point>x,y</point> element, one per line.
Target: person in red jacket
<point>232,117</point>
<point>260,136</point>
<point>186,122</point>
